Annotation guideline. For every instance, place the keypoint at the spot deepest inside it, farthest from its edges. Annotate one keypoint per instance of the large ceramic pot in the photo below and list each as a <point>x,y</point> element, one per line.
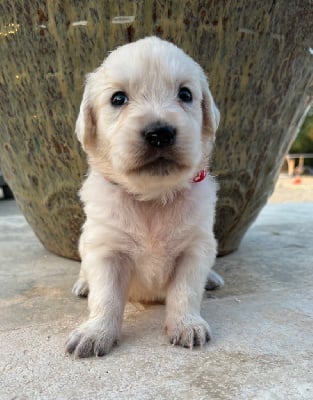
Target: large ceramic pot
<point>257,56</point>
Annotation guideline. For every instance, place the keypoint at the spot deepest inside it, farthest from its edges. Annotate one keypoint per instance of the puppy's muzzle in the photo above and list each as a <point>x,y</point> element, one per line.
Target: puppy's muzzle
<point>160,135</point>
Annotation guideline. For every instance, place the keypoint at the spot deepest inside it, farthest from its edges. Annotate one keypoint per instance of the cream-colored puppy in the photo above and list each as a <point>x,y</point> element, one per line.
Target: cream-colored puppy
<point>147,122</point>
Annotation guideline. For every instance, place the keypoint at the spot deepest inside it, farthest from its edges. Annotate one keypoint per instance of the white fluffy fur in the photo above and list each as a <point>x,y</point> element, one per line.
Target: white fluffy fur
<point>147,236</point>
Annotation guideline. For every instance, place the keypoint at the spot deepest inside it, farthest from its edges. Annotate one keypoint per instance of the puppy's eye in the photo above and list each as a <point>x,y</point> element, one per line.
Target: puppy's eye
<point>185,95</point>
<point>118,99</point>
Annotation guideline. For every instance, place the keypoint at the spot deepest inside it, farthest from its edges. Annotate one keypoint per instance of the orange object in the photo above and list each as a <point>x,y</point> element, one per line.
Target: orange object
<point>297,180</point>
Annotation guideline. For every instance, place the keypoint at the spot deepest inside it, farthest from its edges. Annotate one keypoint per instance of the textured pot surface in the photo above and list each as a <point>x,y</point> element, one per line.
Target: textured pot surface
<point>256,54</point>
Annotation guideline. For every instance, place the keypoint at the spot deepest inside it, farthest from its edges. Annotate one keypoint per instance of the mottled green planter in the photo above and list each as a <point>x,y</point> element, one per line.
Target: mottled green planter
<point>255,53</point>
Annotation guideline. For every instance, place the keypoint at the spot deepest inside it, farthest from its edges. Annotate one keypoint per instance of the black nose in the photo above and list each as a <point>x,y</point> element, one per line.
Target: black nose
<point>160,136</point>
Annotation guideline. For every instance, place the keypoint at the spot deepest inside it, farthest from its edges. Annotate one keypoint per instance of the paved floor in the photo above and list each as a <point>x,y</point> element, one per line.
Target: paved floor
<point>262,321</point>
<point>297,189</point>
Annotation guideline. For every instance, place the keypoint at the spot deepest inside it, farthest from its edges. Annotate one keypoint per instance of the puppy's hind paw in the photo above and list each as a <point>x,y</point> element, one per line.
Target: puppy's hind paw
<point>90,339</point>
<point>189,331</point>
<point>81,288</point>
<point>214,281</point>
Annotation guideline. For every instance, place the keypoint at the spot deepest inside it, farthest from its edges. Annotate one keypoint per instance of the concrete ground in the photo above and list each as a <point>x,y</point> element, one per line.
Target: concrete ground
<point>262,322</point>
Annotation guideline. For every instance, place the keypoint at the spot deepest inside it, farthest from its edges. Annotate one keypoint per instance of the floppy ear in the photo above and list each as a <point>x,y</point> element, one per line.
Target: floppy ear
<point>86,123</point>
<point>211,114</point>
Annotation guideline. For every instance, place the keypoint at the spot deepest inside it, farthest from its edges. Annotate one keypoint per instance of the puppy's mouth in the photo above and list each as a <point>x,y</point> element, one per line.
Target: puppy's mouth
<point>160,166</point>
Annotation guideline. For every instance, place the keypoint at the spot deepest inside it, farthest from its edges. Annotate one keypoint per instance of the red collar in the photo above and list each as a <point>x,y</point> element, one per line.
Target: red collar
<point>200,176</point>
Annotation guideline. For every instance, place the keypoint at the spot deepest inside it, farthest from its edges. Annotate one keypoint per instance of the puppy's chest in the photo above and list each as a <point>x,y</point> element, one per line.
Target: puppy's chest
<point>160,237</point>
<point>157,243</point>
<point>157,227</point>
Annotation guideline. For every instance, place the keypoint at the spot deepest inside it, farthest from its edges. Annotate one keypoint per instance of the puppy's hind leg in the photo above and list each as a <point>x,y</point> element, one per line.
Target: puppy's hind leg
<point>81,287</point>
<point>108,279</point>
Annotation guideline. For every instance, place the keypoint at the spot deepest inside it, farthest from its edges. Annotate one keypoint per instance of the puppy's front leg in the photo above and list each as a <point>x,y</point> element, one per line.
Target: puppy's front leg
<point>184,325</point>
<point>108,279</point>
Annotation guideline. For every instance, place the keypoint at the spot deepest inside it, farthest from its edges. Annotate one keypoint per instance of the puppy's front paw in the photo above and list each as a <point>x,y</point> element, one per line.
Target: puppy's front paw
<point>93,338</point>
<point>188,331</point>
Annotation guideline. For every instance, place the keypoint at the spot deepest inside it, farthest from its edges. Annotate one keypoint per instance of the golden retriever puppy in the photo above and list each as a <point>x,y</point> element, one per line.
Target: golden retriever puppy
<point>147,123</point>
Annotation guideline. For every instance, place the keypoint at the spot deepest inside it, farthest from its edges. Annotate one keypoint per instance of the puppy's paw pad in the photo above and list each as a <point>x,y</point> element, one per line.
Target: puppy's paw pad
<point>189,331</point>
<point>81,288</point>
<point>214,281</point>
<point>88,341</point>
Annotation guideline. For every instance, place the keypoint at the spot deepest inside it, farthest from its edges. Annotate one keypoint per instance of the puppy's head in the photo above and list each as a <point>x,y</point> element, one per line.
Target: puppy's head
<point>147,119</point>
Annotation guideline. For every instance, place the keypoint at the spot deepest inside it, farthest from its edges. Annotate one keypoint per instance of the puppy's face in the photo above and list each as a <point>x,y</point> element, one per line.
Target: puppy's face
<point>147,119</point>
